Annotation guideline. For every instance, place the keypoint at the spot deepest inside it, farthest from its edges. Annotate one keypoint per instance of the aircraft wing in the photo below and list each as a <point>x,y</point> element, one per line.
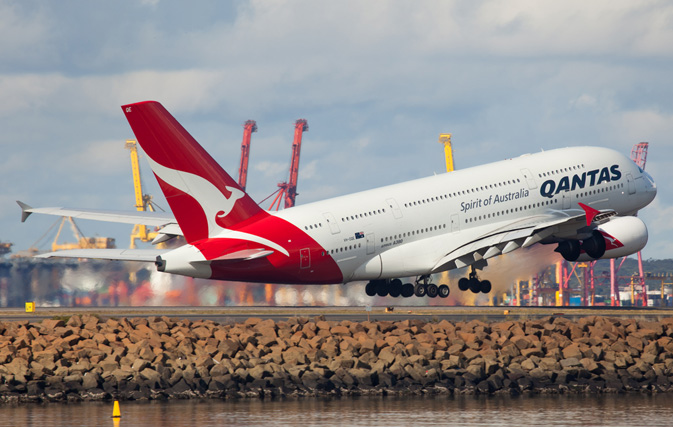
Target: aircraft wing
<point>166,221</point>
<point>144,255</point>
<point>522,233</point>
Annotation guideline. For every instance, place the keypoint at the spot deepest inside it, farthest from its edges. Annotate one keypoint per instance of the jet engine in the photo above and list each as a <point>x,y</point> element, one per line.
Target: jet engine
<point>622,236</point>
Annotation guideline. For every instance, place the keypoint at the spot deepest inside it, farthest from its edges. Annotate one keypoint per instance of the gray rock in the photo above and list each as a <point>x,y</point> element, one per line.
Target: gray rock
<point>91,380</point>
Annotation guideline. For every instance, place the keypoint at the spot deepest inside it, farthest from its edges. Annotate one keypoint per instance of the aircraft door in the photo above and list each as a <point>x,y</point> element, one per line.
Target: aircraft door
<point>455,223</point>
<point>371,243</point>
<point>631,184</point>
<point>397,212</point>
<point>529,179</point>
<point>566,199</point>
<point>305,258</point>
<point>331,221</point>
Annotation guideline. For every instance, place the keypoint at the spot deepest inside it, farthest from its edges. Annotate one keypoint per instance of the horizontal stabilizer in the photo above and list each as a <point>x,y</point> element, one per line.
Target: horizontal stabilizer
<point>144,255</point>
<point>242,255</point>
<point>155,219</point>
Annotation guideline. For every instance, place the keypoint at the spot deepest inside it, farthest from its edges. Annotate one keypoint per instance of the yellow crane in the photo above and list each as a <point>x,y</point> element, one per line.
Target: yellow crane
<point>445,138</point>
<point>82,242</point>
<point>143,201</point>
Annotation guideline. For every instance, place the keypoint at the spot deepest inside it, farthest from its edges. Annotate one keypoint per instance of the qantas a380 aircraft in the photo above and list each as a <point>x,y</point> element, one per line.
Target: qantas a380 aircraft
<point>583,200</point>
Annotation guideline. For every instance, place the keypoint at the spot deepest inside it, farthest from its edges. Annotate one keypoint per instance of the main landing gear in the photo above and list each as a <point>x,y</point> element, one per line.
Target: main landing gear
<point>473,283</point>
<point>593,246</point>
<point>395,288</point>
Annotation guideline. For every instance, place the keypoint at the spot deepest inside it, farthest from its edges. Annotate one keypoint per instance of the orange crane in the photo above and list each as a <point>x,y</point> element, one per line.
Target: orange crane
<point>639,157</point>
<point>287,191</point>
<point>249,127</point>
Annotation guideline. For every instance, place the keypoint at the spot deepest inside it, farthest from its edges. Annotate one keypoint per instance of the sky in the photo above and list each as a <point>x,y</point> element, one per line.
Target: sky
<point>377,81</point>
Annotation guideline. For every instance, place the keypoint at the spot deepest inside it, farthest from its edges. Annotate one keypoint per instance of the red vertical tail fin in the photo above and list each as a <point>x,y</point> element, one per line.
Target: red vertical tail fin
<point>203,197</point>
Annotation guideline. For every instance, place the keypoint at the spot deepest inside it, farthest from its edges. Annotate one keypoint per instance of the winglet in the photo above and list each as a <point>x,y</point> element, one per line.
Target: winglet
<point>25,210</point>
<point>590,213</point>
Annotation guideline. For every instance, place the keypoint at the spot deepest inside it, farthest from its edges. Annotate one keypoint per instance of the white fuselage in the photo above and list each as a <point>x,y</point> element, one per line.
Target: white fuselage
<point>405,229</point>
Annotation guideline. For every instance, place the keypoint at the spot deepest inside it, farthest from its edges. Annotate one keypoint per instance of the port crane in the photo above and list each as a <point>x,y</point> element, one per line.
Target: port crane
<point>249,127</point>
<point>445,138</point>
<point>287,191</point>
<point>143,201</point>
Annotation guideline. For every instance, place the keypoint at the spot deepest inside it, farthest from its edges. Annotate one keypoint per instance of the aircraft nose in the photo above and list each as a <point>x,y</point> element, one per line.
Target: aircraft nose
<point>651,186</point>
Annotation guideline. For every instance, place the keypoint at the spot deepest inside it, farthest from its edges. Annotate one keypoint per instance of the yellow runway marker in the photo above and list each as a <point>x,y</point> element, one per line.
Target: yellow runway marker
<point>116,413</point>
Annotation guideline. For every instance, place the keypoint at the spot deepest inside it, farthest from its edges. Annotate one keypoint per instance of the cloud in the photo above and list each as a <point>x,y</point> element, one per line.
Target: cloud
<point>271,169</point>
<point>25,40</point>
<point>377,81</point>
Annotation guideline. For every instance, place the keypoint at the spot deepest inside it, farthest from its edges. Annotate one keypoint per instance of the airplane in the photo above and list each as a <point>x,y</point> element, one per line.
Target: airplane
<point>584,200</point>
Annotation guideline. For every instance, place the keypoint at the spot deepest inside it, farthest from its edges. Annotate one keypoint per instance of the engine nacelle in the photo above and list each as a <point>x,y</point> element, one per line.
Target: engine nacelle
<point>623,236</point>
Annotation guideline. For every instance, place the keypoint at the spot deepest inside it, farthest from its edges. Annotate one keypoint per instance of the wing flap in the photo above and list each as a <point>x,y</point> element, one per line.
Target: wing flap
<point>521,233</point>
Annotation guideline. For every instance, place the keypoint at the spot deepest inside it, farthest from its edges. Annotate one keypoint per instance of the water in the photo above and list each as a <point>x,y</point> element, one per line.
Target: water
<point>611,410</point>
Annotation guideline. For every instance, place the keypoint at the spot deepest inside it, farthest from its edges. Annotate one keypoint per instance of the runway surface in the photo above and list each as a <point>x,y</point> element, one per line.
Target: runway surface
<point>240,314</point>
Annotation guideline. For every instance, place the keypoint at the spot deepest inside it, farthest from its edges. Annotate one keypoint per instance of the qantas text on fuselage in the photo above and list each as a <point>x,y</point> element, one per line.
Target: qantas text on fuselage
<point>550,187</point>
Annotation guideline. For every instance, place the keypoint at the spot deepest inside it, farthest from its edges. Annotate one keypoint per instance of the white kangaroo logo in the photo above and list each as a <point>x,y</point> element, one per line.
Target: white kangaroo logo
<point>214,204</point>
<point>613,242</point>
<point>230,202</point>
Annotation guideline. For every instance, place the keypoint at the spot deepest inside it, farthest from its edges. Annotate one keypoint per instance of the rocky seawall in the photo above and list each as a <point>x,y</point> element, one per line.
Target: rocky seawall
<point>87,358</point>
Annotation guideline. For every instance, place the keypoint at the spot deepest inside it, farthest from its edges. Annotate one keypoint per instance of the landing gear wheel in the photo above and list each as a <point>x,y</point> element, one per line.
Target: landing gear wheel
<point>382,288</point>
<point>595,245</point>
<point>407,290</point>
<point>463,284</point>
<point>432,290</point>
<point>395,288</point>
<point>569,249</point>
<point>485,286</point>
<point>475,285</point>
<point>443,291</point>
<point>370,289</point>
<point>420,290</point>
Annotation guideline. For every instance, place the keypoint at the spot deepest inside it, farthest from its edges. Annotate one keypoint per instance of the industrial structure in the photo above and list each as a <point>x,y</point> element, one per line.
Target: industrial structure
<point>249,127</point>
<point>445,139</point>
<point>143,201</point>
<point>639,156</point>
<point>82,242</point>
<point>287,191</point>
